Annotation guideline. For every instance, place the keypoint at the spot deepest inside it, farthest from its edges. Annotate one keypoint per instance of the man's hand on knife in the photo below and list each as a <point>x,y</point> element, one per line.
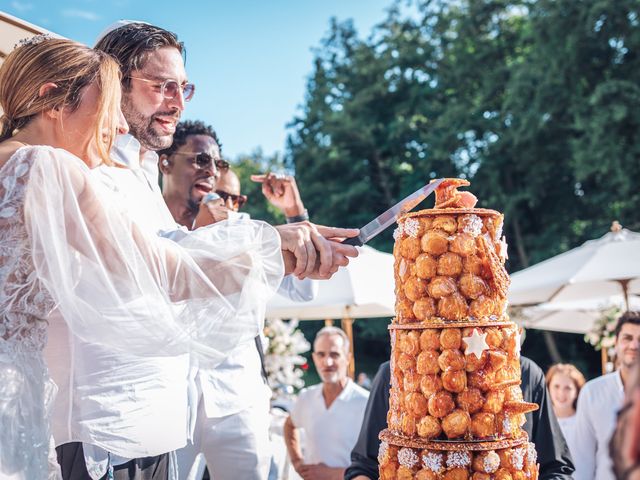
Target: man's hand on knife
<point>315,251</point>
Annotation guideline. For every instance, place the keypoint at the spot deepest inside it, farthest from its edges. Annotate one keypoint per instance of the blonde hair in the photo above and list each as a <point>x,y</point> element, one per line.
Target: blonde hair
<point>570,371</point>
<point>71,66</point>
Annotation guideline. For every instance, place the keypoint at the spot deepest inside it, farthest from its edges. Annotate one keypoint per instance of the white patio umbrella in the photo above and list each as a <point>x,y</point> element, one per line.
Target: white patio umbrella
<point>363,289</point>
<point>604,267</point>
<point>571,317</point>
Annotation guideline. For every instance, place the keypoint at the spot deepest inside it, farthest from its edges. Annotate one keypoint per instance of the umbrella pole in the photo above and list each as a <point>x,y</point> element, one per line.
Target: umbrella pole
<point>604,358</point>
<point>625,291</point>
<point>347,326</point>
<point>328,322</point>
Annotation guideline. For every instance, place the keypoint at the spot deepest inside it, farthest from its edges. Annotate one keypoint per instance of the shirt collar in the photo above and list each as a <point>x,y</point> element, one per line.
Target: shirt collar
<point>619,381</point>
<point>126,150</point>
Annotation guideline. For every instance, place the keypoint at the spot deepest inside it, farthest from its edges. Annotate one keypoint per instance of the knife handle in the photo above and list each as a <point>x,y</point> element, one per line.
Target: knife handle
<point>355,241</point>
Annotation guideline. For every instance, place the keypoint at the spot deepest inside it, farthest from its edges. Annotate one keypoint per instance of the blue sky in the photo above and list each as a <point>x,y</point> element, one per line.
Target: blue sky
<point>249,59</point>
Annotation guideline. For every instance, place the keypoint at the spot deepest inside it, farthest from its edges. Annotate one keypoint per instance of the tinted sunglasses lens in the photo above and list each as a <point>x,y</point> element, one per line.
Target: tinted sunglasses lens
<point>203,160</point>
<point>240,200</point>
<point>223,195</point>
<point>188,91</point>
<point>222,164</point>
<point>171,89</point>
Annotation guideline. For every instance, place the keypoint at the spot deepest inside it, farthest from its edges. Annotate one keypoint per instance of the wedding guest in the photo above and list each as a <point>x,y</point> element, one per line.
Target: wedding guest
<point>541,427</point>
<point>66,244</point>
<point>564,382</point>
<point>599,401</point>
<point>330,412</point>
<point>108,424</point>
<point>624,447</point>
<point>232,422</point>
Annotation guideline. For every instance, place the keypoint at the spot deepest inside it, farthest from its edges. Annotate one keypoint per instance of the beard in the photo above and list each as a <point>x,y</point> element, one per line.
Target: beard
<point>141,127</point>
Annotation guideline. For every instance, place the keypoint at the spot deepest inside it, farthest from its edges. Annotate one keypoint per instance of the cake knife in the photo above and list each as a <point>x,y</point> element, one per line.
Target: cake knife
<point>381,222</point>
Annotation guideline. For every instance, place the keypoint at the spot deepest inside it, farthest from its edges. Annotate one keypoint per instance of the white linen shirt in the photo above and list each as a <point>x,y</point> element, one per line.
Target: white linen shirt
<point>237,384</point>
<point>568,427</point>
<point>598,404</point>
<point>127,405</point>
<point>330,433</point>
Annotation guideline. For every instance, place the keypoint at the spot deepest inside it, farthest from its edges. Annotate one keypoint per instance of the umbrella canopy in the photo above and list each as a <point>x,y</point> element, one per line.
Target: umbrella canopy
<point>12,30</point>
<point>572,317</point>
<point>599,268</point>
<point>365,288</point>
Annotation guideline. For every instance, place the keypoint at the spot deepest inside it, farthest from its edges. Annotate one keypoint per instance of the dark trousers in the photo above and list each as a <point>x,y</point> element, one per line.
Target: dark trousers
<point>71,460</point>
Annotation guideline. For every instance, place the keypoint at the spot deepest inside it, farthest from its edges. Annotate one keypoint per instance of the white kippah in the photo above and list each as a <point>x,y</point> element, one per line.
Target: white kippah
<point>115,26</point>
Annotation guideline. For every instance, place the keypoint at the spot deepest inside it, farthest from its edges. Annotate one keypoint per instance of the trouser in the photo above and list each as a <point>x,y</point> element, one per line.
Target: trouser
<point>72,464</point>
<point>235,447</point>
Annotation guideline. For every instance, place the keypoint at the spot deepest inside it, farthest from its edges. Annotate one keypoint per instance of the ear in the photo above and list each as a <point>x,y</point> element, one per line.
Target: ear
<point>164,164</point>
<point>44,90</point>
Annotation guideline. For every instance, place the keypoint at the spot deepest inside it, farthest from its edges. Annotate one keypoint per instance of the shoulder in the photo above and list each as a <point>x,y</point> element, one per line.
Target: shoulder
<point>528,365</point>
<point>360,392</point>
<point>598,384</point>
<point>356,394</point>
<point>48,159</point>
<point>308,393</point>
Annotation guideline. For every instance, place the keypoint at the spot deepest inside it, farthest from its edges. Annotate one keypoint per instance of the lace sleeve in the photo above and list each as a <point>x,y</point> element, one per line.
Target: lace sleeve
<point>118,285</point>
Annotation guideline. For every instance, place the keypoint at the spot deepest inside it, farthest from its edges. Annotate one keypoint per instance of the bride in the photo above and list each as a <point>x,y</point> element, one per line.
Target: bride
<point>65,246</point>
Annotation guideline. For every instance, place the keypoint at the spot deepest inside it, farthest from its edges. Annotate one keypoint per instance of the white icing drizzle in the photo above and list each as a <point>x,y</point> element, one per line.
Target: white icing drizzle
<point>433,461</point>
<point>382,451</point>
<point>397,233</point>
<point>407,457</point>
<point>458,459</point>
<point>472,224</point>
<point>506,425</point>
<point>411,227</point>
<point>517,457</point>
<point>491,462</point>
<point>532,454</point>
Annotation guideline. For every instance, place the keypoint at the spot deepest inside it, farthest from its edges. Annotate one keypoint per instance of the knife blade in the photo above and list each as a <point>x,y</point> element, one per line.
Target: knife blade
<point>382,221</point>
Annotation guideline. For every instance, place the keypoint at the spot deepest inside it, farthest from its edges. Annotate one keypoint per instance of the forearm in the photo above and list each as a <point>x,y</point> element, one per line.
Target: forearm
<point>292,442</point>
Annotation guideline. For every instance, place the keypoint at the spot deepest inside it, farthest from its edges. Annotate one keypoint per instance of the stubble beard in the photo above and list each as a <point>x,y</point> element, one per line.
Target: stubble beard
<point>141,128</point>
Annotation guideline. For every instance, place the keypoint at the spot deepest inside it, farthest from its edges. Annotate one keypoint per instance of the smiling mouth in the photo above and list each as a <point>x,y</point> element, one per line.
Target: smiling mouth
<point>203,186</point>
<point>167,124</point>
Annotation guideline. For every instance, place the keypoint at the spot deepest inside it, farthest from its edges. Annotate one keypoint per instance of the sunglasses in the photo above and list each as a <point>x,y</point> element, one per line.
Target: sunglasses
<point>237,200</point>
<point>202,160</point>
<point>169,88</point>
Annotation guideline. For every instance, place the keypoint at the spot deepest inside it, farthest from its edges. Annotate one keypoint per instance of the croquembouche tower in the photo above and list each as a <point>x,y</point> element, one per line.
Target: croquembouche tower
<point>456,409</point>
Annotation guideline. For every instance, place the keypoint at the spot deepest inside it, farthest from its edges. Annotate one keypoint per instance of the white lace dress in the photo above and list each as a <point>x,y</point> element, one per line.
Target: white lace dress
<point>61,245</point>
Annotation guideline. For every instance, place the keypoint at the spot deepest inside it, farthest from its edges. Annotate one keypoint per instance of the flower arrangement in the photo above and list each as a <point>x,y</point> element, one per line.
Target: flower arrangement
<point>602,333</point>
<point>283,360</point>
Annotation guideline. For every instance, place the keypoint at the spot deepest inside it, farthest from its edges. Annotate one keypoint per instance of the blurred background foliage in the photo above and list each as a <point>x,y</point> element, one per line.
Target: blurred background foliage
<point>536,102</point>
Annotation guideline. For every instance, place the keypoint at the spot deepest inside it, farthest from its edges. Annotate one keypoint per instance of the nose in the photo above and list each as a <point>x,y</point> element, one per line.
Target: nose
<point>229,203</point>
<point>123,126</point>
<point>177,102</point>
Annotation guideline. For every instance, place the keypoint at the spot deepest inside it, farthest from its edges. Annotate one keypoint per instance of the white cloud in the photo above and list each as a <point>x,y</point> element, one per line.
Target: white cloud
<point>83,14</point>
<point>21,6</point>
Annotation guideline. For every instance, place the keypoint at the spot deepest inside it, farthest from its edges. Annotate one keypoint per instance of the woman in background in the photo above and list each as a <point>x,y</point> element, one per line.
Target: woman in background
<point>564,382</point>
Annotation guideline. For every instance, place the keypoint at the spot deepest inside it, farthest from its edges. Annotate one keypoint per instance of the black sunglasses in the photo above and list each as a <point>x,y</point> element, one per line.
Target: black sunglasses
<point>202,160</point>
<point>238,200</point>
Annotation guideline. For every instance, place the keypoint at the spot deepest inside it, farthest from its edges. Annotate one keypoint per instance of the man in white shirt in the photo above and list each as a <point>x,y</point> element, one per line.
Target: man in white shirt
<point>330,413</point>
<point>232,422</point>
<point>599,402</point>
<point>120,415</point>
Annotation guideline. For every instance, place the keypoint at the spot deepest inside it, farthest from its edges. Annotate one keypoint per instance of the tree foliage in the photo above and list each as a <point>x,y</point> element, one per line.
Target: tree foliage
<point>536,102</point>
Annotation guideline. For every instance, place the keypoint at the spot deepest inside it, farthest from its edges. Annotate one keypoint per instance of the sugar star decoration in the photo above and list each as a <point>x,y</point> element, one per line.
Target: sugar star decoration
<point>476,343</point>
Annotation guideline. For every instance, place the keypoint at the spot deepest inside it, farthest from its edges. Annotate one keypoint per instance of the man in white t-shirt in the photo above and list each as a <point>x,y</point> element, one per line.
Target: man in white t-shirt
<point>330,413</point>
<point>598,403</point>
